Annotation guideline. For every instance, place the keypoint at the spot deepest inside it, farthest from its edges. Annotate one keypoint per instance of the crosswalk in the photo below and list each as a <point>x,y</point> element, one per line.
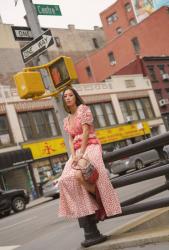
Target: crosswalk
<point>9,247</point>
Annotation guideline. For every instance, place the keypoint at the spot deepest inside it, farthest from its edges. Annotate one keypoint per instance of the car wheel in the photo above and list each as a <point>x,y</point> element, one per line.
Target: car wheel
<point>139,164</point>
<point>18,204</point>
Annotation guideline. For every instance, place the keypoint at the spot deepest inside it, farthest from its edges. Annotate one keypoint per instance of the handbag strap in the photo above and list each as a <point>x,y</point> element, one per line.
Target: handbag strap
<point>78,163</point>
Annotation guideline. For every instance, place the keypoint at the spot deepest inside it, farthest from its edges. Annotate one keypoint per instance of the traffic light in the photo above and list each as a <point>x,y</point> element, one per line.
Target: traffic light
<point>61,71</point>
<point>29,84</point>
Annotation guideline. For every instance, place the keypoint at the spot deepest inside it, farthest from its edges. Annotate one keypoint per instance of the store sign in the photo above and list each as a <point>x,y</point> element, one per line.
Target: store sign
<point>56,146</point>
<point>46,148</point>
<point>122,132</point>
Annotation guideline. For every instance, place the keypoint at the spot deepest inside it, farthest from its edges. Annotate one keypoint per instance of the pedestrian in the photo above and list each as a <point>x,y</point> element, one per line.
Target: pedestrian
<point>78,197</point>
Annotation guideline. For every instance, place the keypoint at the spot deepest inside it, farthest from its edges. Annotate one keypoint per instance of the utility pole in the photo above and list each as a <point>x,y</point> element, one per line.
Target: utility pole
<point>33,22</point>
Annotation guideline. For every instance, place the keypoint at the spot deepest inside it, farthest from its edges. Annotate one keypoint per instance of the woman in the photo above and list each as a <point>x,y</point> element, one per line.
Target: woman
<point>77,196</point>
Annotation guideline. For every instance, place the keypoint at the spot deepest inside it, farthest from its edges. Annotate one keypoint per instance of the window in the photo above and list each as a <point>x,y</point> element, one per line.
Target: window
<point>110,114</point>
<point>38,124</point>
<point>127,7</point>
<point>88,71</point>
<point>148,109</point>
<point>152,73</point>
<point>158,94</point>
<point>163,74</point>
<point>103,115</point>
<point>167,90</point>
<point>112,18</point>
<point>111,57</point>
<point>132,21</point>
<point>5,136</point>
<point>95,42</point>
<point>136,45</point>
<point>119,30</point>
<point>138,109</point>
<point>100,115</point>
<point>57,41</point>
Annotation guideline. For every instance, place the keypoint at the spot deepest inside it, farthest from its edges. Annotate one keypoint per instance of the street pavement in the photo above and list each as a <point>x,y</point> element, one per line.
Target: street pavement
<point>39,228</point>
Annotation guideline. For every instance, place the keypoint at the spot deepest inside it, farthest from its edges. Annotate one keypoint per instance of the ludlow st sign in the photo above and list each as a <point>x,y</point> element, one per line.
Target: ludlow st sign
<point>37,46</point>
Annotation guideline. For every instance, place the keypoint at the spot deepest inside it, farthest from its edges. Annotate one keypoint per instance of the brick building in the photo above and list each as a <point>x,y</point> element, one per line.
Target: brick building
<point>156,68</point>
<point>147,38</point>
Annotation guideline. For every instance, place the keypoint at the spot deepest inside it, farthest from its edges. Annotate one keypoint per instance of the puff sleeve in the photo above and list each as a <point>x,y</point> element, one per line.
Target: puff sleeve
<point>85,115</point>
<point>66,125</point>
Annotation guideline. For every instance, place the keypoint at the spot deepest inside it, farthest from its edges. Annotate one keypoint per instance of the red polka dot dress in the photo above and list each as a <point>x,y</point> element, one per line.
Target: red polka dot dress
<point>75,201</point>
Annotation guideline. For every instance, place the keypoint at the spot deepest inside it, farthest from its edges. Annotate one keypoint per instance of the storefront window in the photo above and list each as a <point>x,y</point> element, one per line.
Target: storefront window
<point>38,124</point>
<point>110,113</point>
<point>148,108</point>
<point>140,109</point>
<point>133,111</point>
<point>100,115</point>
<point>5,137</point>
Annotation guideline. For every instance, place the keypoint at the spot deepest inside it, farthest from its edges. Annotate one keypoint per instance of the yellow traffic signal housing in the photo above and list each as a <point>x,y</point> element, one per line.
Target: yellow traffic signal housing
<point>29,84</point>
<point>61,71</point>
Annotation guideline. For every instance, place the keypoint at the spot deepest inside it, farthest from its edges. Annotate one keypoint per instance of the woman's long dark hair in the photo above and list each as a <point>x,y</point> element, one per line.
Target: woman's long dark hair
<point>79,100</point>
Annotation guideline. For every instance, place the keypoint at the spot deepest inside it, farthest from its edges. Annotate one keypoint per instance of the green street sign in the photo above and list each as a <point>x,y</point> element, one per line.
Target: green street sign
<point>48,10</point>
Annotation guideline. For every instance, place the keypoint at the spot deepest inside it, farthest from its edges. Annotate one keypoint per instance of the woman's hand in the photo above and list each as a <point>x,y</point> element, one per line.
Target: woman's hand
<point>76,158</point>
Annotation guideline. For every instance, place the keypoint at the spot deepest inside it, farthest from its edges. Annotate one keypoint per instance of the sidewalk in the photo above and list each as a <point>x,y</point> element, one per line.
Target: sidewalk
<point>147,229</point>
<point>38,202</point>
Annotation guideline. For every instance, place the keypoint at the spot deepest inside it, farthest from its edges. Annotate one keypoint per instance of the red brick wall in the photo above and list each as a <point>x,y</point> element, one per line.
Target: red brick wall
<point>153,36</point>
<point>123,18</point>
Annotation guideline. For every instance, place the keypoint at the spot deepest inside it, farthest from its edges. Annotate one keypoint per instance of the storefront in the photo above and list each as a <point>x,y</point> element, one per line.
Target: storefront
<point>16,172</point>
<point>50,155</point>
<point>49,158</point>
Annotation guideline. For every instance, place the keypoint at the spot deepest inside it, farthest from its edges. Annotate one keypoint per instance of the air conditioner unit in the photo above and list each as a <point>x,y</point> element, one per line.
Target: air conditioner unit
<point>163,102</point>
<point>165,76</point>
<point>113,63</point>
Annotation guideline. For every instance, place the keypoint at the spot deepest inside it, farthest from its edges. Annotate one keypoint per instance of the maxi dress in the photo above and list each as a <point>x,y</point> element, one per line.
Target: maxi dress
<point>75,201</point>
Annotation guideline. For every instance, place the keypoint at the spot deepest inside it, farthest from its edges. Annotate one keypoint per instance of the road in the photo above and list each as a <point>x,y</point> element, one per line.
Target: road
<point>39,228</point>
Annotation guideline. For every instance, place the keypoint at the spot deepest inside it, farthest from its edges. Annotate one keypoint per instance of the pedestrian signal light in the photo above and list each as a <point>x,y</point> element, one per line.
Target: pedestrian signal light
<point>29,84</point>
<point>62,71</point>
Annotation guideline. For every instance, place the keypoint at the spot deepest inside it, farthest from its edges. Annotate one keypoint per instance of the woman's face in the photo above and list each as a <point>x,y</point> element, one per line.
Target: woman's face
<point>70,98</point>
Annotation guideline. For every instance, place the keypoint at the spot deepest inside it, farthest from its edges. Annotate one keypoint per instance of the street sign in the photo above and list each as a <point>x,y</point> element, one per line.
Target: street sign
<point>37,46</point>
<point>48,10</point>
<point>23,33</point>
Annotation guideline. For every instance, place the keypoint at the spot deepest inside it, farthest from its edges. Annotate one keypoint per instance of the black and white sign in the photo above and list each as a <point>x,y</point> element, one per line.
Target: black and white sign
<point>37,46</point>
<point>23,33</point>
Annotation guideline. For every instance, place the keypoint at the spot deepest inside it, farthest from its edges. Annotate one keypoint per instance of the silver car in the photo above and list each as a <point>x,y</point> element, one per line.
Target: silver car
<point>51,189</point>
<point>137,162</point>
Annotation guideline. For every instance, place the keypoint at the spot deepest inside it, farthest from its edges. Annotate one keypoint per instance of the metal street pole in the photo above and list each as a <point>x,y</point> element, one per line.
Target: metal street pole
<point>34,25</point>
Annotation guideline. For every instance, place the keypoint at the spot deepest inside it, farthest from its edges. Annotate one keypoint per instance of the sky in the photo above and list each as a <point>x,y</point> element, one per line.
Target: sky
<point>84,14</point>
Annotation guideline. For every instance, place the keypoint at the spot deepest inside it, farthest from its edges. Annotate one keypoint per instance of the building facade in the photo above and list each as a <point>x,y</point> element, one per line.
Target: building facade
<point>147,38</point>
<point>156,68</point>
<point>125,110</point>
<point>71,42</point>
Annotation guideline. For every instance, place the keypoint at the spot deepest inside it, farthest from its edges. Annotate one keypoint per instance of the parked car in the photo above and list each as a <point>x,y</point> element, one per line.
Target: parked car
<point>136,162</point>
<point>15,199</point>
<point>50,188</point>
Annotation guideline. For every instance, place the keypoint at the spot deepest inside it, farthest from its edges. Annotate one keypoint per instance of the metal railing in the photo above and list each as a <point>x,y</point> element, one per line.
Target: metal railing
<point>133,205</point>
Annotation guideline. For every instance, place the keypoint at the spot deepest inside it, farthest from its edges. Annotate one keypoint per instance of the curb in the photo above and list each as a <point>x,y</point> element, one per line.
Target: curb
<point>38,203</point>
<point>152,227</point>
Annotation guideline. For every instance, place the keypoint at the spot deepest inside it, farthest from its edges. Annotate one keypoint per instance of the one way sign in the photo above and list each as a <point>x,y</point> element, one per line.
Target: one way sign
<point>37,46</point>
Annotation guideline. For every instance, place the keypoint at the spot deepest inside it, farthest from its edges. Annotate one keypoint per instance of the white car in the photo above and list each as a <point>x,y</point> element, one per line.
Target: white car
<point>51,189</point>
